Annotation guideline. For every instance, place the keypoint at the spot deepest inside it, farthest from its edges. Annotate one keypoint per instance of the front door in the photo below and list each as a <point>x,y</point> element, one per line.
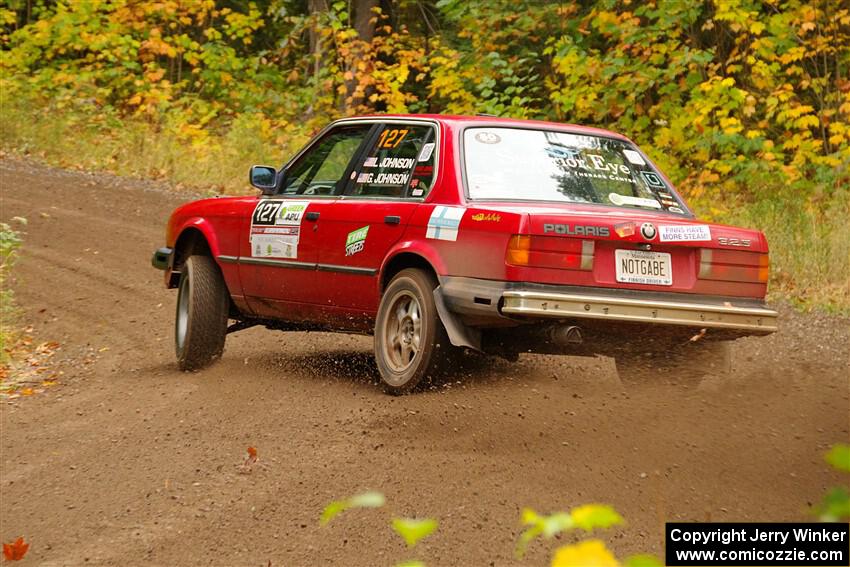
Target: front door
<point>279,252</point>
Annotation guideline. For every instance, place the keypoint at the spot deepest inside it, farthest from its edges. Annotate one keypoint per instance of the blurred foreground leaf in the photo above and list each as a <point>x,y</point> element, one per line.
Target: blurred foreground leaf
<point>364,500</point>
<point>590,553</point>
<point>414,530</point>
<point>839,457</point>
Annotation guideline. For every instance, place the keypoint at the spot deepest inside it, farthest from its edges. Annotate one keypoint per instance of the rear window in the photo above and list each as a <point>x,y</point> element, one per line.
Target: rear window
<point>541,165</point>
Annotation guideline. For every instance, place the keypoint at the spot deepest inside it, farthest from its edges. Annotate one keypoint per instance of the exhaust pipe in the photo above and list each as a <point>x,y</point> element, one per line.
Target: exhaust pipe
<point>565,335</point>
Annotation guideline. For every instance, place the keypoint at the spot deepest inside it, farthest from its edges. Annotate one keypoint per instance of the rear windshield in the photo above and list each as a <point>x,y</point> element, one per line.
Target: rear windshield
<point>541,165</point>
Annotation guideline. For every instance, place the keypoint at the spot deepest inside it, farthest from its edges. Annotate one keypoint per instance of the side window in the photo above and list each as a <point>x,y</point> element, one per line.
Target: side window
<point>399,163</point>
<point>320,170</point>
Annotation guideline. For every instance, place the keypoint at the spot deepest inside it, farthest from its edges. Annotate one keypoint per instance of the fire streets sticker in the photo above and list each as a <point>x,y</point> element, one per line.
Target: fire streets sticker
<point>356,240</point>
<point>684,233</point>
<point>275,228</point>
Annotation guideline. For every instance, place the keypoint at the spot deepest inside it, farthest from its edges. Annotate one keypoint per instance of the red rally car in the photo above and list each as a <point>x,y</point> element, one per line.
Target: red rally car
<point>444,233</point>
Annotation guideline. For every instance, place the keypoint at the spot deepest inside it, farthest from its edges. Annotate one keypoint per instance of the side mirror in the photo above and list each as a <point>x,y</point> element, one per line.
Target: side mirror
<point>263,178</point>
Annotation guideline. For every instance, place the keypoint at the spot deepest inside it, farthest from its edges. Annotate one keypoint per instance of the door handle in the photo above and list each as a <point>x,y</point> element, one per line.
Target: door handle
<point>392,219</point>
<point>312,215</point>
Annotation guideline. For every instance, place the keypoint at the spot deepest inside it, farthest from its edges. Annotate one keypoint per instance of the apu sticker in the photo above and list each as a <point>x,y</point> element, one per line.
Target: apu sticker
<point>276,227</point>
<point>684,233</point>
<point>356,240</point>
<point>426,152</point>
<point>444,223</point>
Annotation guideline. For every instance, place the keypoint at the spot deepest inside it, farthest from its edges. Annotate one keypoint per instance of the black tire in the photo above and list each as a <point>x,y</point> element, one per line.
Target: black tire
<point>409,352</point>
<point>200,324</point>
<point>685,365</point>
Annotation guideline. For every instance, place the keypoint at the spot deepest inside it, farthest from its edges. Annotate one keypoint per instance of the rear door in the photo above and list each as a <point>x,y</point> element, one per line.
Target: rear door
<point>279,254</point>
<point>392,177</point>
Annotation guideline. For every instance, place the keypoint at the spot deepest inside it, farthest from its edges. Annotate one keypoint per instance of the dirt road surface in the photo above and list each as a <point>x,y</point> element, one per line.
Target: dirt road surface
<point>130,462</point>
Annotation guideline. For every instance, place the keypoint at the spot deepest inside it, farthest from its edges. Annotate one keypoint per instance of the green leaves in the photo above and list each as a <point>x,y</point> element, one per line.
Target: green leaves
<point>411,530</point>
<point>592,516</point>
<point>587,518</point>
<point>835,505</point>
<point>839,457</point>
<point>363,500</point>
<point>642,561</point>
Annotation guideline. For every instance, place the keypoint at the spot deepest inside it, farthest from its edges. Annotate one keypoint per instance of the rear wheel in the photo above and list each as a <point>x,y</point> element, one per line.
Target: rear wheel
<point>202,307</point>
<point>410,341</point>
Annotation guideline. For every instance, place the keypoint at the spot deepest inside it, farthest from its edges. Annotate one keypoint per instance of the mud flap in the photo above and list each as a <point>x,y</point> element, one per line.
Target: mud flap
<point>459,334</point>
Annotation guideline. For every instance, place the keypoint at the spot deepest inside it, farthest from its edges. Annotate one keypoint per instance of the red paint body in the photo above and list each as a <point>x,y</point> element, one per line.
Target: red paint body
<point>350,300</point>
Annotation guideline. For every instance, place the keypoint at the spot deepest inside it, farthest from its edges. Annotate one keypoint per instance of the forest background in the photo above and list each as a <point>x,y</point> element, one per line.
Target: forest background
<point>745,104</point>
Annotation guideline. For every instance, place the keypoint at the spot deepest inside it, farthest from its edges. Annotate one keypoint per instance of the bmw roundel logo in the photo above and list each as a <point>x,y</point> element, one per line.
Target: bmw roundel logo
<point>648,231</point>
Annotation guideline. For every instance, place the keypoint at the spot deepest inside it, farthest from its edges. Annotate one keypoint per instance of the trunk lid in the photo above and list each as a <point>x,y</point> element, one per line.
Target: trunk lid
<point>643,250</point>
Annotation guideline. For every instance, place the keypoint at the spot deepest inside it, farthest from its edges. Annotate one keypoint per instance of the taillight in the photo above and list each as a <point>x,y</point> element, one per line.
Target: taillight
<point>550,252</point>
<point>733,266</point>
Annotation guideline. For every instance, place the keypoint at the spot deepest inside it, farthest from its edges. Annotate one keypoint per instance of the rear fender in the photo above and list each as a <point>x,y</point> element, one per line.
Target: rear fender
<point>459,334</point>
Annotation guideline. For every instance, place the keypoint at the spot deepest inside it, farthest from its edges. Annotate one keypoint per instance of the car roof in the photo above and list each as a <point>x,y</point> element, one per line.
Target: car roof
<point>460,121</point>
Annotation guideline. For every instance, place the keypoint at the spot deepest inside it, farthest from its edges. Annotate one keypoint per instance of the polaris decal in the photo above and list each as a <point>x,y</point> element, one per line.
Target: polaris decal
<point>577,230</point>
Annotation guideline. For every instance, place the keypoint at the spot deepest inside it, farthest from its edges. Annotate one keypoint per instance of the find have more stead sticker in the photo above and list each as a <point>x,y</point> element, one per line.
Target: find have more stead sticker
<point>684,233</point>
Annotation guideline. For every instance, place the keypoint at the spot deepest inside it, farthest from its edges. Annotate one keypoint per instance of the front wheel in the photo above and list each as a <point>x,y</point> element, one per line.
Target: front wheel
<point>410,340</point>
<point>202,308</point>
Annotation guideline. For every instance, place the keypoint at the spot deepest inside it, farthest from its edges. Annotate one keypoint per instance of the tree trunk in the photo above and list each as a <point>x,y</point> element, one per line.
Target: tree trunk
<point>365,28</point>
<point>363,14</point>
<point>314,8</point>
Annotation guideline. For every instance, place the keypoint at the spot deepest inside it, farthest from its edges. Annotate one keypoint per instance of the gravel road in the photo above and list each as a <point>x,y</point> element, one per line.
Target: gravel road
<point>130,462</point>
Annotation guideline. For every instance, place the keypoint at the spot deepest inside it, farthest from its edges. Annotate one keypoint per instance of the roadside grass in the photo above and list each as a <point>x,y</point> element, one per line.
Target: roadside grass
<point>10,241</point>
<point>76,134</point>
<point>809,238</point>
<point>809,248</point>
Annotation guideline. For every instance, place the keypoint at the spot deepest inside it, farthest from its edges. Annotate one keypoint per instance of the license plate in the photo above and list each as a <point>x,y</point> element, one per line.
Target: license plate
<point>637,266</point>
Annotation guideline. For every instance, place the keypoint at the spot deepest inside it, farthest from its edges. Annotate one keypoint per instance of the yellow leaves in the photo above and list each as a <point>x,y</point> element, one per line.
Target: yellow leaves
<point>154,74</point>
<point>605,21</point>
<point>793,54</point>
<point>807,121</point>
<point>731,125</point>
<point>589,553</point>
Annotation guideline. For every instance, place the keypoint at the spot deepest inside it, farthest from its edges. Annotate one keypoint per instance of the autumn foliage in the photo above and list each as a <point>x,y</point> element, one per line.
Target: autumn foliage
<point>716,88</point>
<point>16,550</point>
<point>742,102</point>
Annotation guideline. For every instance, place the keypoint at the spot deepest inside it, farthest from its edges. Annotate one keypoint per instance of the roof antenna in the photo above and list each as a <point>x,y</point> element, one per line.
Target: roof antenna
<point>486,114</point>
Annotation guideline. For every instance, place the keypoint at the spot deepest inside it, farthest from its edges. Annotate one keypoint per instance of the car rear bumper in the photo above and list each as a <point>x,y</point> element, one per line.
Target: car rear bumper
<point>480,300</point>
<point>690,314</point>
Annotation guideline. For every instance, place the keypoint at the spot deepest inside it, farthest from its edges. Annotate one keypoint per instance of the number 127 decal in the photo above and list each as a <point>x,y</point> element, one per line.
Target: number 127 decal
<point>392,138</point>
